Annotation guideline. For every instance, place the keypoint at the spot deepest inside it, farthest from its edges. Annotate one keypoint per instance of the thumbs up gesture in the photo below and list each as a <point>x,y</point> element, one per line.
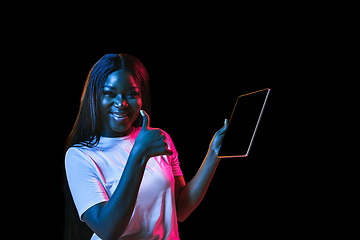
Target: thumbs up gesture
<point>151,141</point>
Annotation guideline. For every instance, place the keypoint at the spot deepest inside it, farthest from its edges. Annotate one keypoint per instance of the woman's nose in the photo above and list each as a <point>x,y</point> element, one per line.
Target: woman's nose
<point>120,102</point>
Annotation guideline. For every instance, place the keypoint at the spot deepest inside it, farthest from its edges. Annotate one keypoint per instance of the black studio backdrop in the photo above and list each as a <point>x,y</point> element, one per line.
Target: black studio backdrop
<point>192,94</point>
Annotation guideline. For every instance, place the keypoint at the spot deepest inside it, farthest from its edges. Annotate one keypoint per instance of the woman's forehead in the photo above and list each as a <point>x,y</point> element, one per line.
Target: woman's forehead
<point>120,79</point>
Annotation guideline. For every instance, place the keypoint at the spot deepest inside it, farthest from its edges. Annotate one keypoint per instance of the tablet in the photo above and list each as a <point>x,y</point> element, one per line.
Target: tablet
<point>243,123</point>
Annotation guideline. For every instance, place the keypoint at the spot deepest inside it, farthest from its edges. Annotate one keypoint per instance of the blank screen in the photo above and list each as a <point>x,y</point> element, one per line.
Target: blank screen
<point>243,123</point>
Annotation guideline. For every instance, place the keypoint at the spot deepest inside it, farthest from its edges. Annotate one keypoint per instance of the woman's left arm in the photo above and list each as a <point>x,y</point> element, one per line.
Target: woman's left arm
<point>189,195</point>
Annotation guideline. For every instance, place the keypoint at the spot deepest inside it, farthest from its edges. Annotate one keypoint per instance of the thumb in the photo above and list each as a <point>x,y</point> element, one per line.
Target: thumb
<point>225,127</point>
<point>146,121</point>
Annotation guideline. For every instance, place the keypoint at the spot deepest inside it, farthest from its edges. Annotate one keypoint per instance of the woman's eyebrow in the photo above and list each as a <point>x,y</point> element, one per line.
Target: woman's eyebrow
<point>114,88</point>
<point>111,87</point>
<point>133,87</point>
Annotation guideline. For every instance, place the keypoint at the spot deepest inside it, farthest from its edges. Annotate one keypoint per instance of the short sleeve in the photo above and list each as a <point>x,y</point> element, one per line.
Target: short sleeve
<point>174,160</point>
<point>84,182</point>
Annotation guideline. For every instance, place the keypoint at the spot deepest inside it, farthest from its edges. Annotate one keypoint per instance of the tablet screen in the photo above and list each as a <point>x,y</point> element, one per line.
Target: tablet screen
<point>242,124</point>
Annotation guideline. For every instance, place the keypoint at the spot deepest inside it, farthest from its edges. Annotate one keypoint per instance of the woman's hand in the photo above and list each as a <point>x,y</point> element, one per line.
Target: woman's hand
<point>150,142</point>
<point>218,138</point>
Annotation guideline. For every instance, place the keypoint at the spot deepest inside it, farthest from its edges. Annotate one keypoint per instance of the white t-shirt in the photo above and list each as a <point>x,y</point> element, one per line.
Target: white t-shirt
<point>93,174</point>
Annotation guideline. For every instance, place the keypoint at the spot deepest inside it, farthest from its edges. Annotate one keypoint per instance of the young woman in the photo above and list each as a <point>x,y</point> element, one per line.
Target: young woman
<point>124,177</point>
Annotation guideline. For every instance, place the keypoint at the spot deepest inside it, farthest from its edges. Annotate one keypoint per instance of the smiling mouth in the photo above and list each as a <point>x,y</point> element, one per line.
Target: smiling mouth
<point>120,116</point>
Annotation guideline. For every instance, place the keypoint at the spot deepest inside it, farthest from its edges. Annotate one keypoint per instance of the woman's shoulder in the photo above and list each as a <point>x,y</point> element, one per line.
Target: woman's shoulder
<point>78,150</point>
<point>74,154</point>
<point>74,150</point>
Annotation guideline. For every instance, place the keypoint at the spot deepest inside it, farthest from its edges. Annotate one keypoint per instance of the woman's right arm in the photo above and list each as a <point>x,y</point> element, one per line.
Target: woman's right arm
<point>110,219</point>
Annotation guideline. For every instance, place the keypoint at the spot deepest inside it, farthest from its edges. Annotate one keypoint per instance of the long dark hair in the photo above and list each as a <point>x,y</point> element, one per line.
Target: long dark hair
<point>87,128</point>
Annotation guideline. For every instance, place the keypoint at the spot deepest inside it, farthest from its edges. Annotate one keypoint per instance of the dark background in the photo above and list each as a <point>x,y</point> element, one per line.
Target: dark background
<point>198,65</point>
<point>195,80</point>
<point>193,91</point>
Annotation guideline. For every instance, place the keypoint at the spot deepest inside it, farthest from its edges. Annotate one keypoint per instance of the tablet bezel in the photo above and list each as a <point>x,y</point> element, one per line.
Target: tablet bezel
<point>257,124</point>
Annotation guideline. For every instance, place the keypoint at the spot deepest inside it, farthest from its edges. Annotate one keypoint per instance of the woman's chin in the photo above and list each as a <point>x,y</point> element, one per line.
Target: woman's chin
<point>121,130</point>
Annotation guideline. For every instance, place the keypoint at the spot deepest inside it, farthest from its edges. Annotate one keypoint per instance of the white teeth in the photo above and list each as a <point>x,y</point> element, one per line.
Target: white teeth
<point>118,115</point>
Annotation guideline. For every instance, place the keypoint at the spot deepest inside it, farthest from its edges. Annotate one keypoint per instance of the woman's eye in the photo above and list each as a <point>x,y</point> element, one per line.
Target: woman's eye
<point>109,93</point>
<point>133,94</point>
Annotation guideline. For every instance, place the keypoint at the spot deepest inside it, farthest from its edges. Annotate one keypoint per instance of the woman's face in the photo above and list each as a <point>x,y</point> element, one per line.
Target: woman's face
<point>120,104</point>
